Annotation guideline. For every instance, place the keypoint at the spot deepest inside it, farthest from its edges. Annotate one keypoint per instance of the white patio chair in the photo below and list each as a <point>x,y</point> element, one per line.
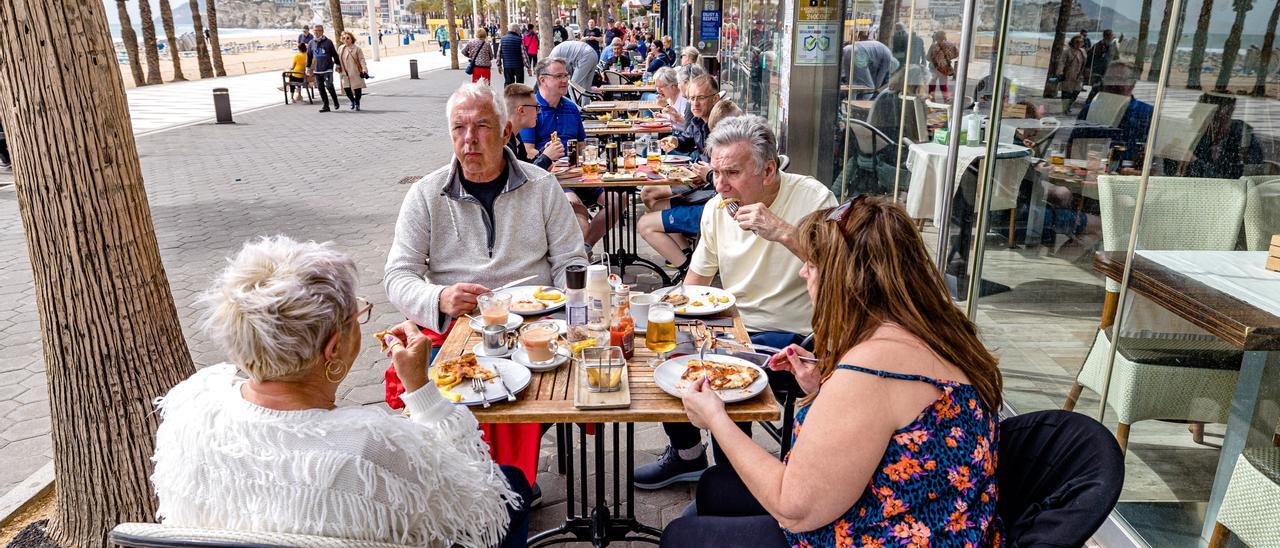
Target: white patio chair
<point>1251,507</point>
<point>1261,211</point>
<point>155,535</point>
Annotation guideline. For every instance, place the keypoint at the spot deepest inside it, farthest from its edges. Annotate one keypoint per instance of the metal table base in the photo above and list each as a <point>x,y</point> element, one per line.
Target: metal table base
<point>621,240</point>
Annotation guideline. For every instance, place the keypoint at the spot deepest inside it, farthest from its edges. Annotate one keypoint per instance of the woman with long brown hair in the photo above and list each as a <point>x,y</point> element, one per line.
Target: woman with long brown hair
<point>895,441</point>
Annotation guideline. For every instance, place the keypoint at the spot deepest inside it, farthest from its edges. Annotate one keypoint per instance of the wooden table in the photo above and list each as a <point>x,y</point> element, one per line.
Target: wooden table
<point>633,130</point>
<point>620,106</point>
<point>1243,324</point>
<point>549,399</point>
<point>628,88</point>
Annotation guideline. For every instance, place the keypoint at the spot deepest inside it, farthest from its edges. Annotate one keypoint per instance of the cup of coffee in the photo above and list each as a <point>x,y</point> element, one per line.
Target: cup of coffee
<point>495,339</point>
<point>494,307</point>
<point>538,339</point>
<point>640,308</point>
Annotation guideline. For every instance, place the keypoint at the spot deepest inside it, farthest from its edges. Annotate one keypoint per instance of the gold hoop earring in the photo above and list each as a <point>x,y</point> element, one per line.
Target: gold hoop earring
<point>330,372</point>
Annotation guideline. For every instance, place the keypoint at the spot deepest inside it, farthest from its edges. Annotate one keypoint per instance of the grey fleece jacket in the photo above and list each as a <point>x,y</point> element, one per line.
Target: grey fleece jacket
<point>442,238</point>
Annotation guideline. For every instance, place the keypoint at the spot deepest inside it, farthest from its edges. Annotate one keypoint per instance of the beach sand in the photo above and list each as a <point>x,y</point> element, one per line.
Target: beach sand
<point>274,56</point>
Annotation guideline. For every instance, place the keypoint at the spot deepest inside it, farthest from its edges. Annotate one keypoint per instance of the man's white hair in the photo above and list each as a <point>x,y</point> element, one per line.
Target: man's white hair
<point>514,27</point>
<point>481,91</point>
<point>752,130</point>
<point>666,76</point>
<point>277,303</point>
<point>688,72</point>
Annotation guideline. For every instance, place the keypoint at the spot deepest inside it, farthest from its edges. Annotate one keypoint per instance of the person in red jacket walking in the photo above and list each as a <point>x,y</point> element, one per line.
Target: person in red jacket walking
<point>531,45</point>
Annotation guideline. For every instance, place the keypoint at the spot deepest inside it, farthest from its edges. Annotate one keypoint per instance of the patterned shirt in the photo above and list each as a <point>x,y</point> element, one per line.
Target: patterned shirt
<point>935,486</point>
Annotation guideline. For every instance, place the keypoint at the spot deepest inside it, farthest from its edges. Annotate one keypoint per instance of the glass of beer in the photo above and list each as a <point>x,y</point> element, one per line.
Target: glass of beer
<point>654,153</point>
<point>660,334</point>
<point>494,307</point>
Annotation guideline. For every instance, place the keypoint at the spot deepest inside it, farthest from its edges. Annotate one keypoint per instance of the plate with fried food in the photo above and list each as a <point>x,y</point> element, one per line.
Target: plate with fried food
<point>530,300</point>
<point>733,379</point>
<point>696,300</point>
<point>452,377</point>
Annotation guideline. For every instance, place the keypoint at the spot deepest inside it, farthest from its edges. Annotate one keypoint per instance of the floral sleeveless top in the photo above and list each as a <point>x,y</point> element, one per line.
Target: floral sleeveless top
<point>935,486</point>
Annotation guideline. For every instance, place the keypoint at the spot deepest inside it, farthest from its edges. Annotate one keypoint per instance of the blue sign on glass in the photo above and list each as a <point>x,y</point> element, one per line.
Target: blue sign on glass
<point>710,25</point>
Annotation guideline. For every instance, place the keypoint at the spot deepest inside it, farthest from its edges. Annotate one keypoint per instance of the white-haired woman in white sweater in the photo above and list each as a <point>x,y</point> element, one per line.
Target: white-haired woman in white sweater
<point>258,444</point>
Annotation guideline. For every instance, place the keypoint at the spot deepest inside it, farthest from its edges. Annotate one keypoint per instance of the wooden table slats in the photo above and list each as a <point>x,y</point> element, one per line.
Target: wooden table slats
<point>618,106</point>
<point>549,396</point>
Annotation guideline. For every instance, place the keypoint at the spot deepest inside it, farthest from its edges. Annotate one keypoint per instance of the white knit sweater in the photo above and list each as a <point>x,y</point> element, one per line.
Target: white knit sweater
<point>353,472</point>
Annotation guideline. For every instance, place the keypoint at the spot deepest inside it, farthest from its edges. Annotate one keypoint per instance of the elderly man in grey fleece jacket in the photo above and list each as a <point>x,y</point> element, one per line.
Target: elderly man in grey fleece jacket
<point>484,220</point>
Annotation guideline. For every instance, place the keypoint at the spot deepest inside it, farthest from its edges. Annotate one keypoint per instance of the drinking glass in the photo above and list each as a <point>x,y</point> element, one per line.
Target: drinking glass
<point>660,333</point>
<point>654,155</point>
<point>629,155</point>
<point>494,307</point>
<point>1095,155</point>
<point>538,339</point>
<point>590,157</point>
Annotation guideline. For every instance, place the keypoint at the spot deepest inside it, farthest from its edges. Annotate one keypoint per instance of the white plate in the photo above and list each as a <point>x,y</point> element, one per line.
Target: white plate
<point>675,159</point>
<point>667,377</point>
<point>703,294</point>
<point>516,376</point>
<point>521,357</point>
<point>522,292</point>
<point>513,321</point>
<point>478,350</point>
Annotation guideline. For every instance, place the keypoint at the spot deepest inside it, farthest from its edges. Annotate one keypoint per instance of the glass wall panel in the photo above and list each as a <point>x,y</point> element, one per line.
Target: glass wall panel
<point>1163,111</point>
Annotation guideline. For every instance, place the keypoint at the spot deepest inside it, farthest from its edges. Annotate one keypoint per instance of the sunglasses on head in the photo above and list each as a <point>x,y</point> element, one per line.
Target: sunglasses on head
<point>840,212</point>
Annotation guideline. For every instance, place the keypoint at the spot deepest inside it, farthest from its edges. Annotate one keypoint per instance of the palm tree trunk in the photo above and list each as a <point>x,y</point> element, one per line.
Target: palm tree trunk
<point>546,18</point>
<point>1144,33</point>
<point>130,44</point>
<point>149,42</point>
<point>214,44</point>
<point>1264,58</point>
<point>453,33</point>
<point>171,40</point>
<point>1055,54</point>
<point>1231,48</point>
<point>1198,43</point>
<point>503,23</point>
<point>111,348</point>
<point>202,51</point>
<point>1158,58</point>
<point>583,15</point>
<point>888,15</point>
<point>335,13</point>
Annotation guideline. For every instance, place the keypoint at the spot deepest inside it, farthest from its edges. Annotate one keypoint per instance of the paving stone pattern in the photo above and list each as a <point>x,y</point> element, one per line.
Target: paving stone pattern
<point>287,170</point>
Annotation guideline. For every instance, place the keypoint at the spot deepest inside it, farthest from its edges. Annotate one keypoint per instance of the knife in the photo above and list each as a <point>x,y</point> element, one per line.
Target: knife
<point>503,383</point>
<point>515,283</point>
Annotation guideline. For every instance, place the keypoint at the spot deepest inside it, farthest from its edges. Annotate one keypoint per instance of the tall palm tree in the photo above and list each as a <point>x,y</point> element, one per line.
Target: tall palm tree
<point>583,9</point>
<point>1059,41</point>
<point>171,40</point>
<point>149,42</point>
<point>335,13</point>
<point>453,33</point>
<point>889,15</point>
<point>1231,49</point>
<point>1198,43</point>
<point>202,51</point>
<point>130,39</point>
<point>214,44</point>
<point>546,18</point>
<point>1268,44</point>
<point>1144,33</point>
<point>503,23</point>
<point>1158,59</point>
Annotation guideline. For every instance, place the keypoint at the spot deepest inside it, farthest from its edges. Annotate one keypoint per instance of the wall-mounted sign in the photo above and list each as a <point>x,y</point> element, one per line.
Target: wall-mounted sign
<point>817,36</point>
<point>710,25</point>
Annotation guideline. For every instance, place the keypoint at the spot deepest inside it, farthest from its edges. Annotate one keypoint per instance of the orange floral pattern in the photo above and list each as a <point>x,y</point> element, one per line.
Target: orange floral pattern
<point>937,476</point>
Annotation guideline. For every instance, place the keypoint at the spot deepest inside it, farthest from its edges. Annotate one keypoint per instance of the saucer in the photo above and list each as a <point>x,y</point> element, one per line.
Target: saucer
<point>521,357</point>
<point>478,350</point>
<point>513,322</point>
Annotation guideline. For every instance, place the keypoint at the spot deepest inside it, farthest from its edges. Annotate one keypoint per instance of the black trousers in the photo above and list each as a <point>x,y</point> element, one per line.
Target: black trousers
<point>728,515</point>
<point>353,95</point>
<point>324,82</point>
<point>518,530</point>
<point>512,75</point>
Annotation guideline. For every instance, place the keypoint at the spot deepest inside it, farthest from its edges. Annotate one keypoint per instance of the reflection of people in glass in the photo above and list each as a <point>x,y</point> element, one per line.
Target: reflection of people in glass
<point>899,44</point>
<point>1227,145</point>
<point>1071,71</point>
<point>872,64</point>
<point>1120,79</point>
<point>1102,54</point>
<point>941,54</point>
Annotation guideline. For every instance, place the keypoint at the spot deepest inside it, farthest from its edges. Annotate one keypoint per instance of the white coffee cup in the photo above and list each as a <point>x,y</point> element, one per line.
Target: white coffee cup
<point>640,308</point>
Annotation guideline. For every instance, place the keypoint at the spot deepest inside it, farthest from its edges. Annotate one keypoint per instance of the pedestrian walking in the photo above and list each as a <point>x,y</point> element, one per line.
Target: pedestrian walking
<point>531,44</point>
<point>559,33</point>
<point>322,57</point>
<point>442,37</point>
<point>1072,71</point>
<point>941,54</point>
<point>481,54</point>
<point>305,37</point>
<point>1101,56</point>
<point>511,60</point>
<point>353,69</point>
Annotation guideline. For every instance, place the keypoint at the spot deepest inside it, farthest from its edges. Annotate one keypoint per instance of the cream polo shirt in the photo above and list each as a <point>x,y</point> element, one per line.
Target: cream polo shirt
<point>764,276</point>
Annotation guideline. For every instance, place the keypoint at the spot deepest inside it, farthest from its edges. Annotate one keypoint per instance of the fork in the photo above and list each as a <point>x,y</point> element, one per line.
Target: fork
<point>478,386</point>
<point>732,207</point>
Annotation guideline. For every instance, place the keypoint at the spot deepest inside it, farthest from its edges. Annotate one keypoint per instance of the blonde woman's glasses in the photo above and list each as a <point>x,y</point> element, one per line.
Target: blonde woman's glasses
<point>364,311</point>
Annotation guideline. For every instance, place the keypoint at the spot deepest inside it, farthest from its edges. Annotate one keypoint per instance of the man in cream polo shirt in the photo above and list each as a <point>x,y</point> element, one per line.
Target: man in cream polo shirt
<point>752,251</point>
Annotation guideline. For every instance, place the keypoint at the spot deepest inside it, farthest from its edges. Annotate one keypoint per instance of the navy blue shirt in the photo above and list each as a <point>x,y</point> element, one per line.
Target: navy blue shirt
<point>1132,128</point>
<point>565,120</point>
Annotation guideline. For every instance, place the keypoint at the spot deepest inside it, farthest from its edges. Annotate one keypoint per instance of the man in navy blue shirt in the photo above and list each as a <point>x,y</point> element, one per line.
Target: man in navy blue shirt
<point>322,57</point>
<point>1119,79</point>
<point>559,116</point>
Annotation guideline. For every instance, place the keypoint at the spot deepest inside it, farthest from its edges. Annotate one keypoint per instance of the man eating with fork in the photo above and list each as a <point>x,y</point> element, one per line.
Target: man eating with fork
<point>748,237</point>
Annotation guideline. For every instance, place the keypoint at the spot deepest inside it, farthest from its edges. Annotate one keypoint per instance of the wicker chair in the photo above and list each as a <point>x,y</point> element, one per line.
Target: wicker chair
<point>155,535</point>
<point>1263,197</point>
<point>1251,508</point>
<point>1174,373</point>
